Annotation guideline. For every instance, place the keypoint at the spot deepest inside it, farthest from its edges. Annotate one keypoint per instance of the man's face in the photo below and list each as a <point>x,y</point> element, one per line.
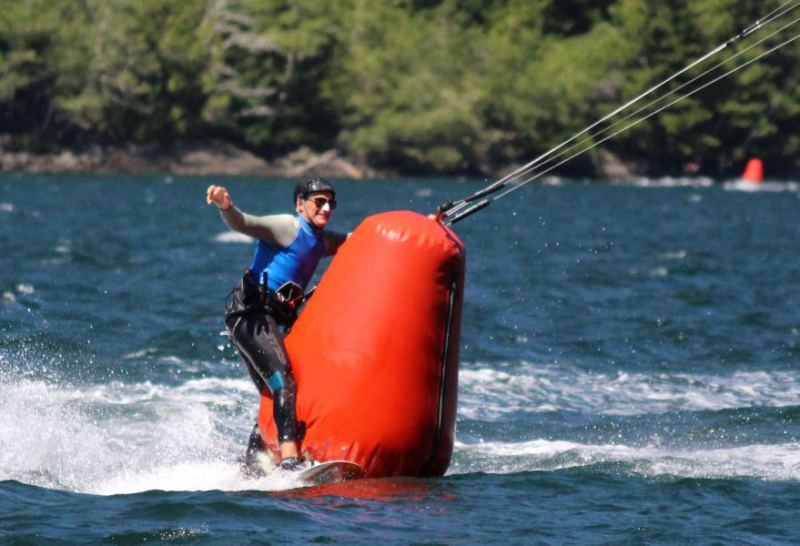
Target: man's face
<point>317,208</point>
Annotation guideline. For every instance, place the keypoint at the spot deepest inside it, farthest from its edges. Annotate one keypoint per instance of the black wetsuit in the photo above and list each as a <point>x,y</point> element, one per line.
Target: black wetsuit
<point>254,318</point>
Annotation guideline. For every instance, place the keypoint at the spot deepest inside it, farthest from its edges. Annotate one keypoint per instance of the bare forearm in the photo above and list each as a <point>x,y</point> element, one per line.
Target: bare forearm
<point>234,219</point>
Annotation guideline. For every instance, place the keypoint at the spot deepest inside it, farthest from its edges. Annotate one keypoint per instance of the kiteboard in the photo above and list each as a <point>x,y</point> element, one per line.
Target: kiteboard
<point>330,472</point>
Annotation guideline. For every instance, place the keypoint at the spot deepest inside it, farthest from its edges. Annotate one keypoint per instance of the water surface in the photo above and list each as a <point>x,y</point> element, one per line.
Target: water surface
<point>629,369</point>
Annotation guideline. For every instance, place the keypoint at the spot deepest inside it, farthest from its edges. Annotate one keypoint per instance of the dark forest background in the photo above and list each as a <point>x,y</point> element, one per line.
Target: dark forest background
<point>415,86</point>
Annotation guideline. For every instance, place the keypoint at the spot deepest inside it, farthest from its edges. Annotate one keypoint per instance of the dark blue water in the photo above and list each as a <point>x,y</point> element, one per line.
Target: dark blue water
<point>629,369</point>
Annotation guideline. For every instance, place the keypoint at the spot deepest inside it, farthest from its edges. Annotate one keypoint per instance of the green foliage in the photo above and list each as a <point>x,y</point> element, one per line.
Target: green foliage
<point>430,86</point>
<point>405,95</point>
<point>141,83</point>
<point>27,67</point>
<point>268,60</point>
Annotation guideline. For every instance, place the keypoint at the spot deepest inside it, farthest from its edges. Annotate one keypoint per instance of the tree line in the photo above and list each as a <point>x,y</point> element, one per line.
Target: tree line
<point>416,86</point>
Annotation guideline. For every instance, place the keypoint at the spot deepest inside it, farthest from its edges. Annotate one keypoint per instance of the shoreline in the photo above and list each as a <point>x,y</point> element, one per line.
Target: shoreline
<point>220,158</point>
<point>213,158</point>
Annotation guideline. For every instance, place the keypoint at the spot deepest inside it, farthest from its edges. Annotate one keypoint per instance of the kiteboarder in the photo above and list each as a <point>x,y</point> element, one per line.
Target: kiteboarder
<point>287,250</point>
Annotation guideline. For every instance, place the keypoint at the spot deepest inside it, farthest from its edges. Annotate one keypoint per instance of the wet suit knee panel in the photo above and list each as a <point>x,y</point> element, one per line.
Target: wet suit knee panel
<point>276,381</point>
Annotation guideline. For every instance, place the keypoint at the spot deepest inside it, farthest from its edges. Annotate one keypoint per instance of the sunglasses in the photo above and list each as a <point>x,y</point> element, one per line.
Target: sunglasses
<point>320,202</point>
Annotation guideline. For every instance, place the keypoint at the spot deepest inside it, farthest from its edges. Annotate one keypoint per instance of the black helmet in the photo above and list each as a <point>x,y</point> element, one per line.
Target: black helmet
<point>311,185</point>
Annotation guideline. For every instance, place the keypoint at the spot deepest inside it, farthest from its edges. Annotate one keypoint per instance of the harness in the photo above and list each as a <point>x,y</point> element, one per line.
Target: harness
<point>249,296</point>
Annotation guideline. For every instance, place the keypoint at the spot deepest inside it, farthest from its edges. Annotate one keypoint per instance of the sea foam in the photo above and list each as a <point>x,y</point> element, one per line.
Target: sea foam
<point>489,394</point>
<point>766,461</point>
<point>120,438</point>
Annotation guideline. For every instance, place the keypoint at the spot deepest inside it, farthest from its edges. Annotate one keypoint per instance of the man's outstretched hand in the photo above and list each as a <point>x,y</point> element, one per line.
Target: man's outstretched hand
<point>219,196</point>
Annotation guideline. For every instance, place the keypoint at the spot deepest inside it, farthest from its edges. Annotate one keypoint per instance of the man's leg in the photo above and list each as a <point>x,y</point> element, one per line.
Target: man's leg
<point>260,343</point>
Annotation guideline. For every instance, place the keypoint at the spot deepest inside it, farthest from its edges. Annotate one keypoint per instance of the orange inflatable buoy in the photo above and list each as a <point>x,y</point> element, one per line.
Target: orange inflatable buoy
<point>754,172</point>
<point>375,352</point>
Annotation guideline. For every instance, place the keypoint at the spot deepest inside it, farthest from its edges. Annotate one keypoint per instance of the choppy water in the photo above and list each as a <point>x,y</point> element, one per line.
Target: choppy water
<point>629,369</point>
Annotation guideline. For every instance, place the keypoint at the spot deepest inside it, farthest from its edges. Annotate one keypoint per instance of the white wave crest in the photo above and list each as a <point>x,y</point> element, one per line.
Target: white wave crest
<point>672,182</point>
<point>490,394</point>
<point>752,187</point>
<point>120,438</point>
<point>780,462</point>
<point>232,237</point>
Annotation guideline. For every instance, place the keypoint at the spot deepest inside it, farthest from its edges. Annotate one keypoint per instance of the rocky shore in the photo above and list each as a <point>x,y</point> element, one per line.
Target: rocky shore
<point>185,159</point>
<point>218,158</point>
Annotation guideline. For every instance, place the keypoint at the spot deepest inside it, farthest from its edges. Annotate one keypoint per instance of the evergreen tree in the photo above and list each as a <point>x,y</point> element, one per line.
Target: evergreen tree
<point>268,60</point>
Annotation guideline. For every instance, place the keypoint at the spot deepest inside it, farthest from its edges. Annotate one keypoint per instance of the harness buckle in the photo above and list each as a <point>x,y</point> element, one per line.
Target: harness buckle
<point>290,294</point>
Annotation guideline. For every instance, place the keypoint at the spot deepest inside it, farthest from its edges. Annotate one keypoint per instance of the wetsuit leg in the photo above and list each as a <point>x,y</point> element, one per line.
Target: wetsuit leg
<point>261,386</point>
<point>284,411</point>
<point>260,343</point>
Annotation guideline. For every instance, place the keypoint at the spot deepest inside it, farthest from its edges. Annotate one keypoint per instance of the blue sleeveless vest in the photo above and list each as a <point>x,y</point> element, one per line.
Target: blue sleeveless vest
<point>295,263</point>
